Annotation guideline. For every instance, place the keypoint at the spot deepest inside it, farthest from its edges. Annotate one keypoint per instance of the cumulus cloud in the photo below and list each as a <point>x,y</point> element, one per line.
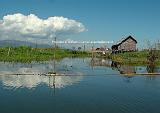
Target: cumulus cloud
<point>30,27</point>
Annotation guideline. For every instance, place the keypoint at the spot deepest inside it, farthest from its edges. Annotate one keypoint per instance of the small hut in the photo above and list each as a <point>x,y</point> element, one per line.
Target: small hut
<point>126,44</point>
<point>102,50</point>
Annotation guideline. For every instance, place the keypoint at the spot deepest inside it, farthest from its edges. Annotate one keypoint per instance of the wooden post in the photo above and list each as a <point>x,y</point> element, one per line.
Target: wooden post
<point>84,49</point>
<point>55,55</point>
<point>92,52</point>
<point>54,84</point>
<point>9,51</point>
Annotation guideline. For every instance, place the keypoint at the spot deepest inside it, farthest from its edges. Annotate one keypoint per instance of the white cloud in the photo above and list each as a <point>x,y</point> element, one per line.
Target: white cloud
<point>31,27</point>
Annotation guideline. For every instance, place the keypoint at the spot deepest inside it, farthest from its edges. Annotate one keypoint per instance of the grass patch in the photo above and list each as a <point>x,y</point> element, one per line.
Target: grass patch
<point>132,58</point>
<point>28,54</point>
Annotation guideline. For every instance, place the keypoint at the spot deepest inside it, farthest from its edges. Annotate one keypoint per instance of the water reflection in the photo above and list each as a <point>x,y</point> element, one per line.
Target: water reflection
<point>33,93</point>
<point>151,68</point>
<point>77,67</point>
<point>32,81</point>
<point>127,71</point>
<point>28,81</point>
<point>124,69</point>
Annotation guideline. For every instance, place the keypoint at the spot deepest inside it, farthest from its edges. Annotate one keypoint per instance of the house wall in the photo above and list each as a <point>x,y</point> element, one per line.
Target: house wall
<point>128,45</point>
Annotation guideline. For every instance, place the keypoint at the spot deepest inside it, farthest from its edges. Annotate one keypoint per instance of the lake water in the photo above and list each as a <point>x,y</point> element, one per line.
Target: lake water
<point>89,86</point>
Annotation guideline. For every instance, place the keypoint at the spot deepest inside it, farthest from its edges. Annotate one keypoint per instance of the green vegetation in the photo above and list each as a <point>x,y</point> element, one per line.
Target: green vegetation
<point>133,58</point>
<point>28,54</point>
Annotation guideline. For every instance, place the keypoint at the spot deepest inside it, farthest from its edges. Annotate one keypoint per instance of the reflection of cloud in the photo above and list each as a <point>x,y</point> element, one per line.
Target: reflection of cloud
<point>22,81</point>
<point>31,81</point>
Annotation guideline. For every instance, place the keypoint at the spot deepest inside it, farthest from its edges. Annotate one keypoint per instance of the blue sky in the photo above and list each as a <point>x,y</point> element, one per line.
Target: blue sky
<point>105,19</point>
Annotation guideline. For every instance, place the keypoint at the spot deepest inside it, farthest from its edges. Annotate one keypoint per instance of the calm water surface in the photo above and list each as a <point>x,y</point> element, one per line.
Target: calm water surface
<point>96,86</point>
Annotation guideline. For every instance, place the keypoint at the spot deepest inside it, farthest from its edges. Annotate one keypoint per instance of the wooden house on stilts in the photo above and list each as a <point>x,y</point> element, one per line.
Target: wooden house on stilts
<point>126,44</point>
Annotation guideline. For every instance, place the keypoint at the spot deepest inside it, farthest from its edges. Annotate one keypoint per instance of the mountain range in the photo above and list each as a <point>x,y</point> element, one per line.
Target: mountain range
<point>15,43</point>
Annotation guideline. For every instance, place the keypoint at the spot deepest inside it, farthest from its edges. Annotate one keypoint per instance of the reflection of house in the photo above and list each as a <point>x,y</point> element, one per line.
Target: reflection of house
<point>123,69</point>
<point>127,70</point>
<point>127,44</point>
<point>114,65</point>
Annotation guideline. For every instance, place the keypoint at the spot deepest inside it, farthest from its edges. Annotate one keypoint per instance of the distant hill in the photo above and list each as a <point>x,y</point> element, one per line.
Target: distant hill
<point>15,43</point>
